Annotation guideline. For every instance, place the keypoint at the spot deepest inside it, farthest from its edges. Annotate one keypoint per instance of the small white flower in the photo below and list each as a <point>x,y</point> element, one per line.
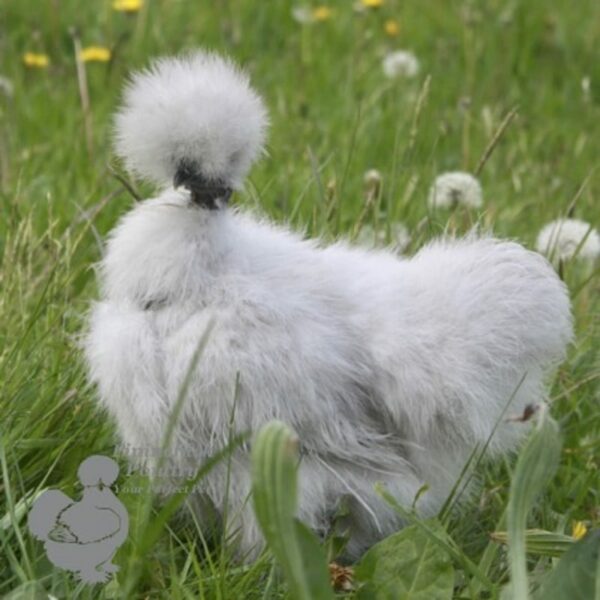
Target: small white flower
<point>452,189</point>
<point>564,239</point>
<point>400,237</point>
<point>400,64</point>
<point>6,86</point>
<point>302,14</point>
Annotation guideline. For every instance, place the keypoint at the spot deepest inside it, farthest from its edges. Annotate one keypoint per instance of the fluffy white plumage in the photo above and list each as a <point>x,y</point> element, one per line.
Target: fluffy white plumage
<point>400,237</point>
<point>388,369</point>
<point>455,188</point>
<point>200,108</point>
<point>564,239</point>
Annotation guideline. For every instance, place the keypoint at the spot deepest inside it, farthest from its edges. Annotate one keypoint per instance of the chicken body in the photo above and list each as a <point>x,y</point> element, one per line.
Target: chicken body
<point>390,370</point>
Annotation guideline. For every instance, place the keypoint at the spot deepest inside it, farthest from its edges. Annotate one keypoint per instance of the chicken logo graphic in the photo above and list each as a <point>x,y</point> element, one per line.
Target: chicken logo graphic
<point>83,536</point>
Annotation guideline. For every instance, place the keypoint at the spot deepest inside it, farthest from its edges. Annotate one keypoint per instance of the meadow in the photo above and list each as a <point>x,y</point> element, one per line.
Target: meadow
<point>506,89</point>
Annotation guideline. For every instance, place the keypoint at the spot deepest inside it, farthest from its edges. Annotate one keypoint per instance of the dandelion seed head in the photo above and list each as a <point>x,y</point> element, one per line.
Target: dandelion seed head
<point>564,239</point>
<point>302,14</point>
<point>400,63</point>
<point>586,88</point>
<point>6,87</point>
<point>455,188</point>
<point>372,177</point>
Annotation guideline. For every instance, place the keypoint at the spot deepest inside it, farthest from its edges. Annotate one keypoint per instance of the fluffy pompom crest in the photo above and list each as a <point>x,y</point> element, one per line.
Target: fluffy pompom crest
<point>196,110</point>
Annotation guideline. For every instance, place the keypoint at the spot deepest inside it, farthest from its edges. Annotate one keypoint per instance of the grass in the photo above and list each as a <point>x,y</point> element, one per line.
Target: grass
<point>334,116</point>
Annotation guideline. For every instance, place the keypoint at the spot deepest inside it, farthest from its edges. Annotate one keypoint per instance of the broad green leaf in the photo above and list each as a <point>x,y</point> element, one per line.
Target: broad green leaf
<point>274,491</point>
<point>407,566</point>
<point>535,467</point>
<point>577,575</point>
<point>314,556</point>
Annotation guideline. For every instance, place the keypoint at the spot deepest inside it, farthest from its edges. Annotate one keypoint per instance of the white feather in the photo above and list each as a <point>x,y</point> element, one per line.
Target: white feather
<point>199,107</point>
<point>388,369</point>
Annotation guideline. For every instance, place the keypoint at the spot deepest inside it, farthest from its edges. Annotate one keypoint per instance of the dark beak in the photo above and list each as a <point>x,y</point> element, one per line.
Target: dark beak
<point>181,176</point>
<point>205,193</point>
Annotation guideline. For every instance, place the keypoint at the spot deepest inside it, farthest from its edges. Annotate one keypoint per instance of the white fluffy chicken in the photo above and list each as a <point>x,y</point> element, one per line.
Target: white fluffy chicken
<point>389,370</point>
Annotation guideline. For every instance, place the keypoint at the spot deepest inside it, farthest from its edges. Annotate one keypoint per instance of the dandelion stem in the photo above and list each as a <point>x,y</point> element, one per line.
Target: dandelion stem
<point>494,141</point>
<point>83,92</point>
<point>571,209</point>
<point>417,114</point>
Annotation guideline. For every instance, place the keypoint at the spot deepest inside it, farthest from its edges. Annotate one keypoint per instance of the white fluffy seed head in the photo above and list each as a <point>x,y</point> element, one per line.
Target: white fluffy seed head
<point>457,188</point>
<point>564,239</point>
<point>372,178</point>
<point>197,109</point>
<point>6,87</point>
<point>400,63</point>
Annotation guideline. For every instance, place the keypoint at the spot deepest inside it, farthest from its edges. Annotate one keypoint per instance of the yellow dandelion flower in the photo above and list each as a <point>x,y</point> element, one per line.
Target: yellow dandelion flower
<point>579,530</point>
<point>128,6</point>
<point>372,3</point>
<point>322,13</point>
<point>391,27</point>
<point>95,54</point>
<point>35,60</point>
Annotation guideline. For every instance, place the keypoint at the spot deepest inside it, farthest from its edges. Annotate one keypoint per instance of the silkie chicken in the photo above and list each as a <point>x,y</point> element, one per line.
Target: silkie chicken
<point>389,369</point>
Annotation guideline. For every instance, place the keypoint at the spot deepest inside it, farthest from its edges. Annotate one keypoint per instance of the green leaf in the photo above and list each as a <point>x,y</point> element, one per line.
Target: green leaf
<point>314,558</point>
<point>274,492</point>
<point>535,467</point>
<point>540,542</point>
<point>407,565</point>
<point>577,575</point>
<point>30,590</point>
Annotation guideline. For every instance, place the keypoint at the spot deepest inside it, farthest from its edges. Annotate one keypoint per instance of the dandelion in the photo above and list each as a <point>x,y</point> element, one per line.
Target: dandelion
<point>322,13</point>
<point>391,27</point>
<point>127,6</point>
<point>372,3</point>
<point>34,60</point>
<point>6,87</point>
<point>302,14</point>
<point>453,189</point>
<point>372,178</point>
<point>564,239</point>
<point>95,54</point>
<point>400,63</point>
<point>585,88</point>
<point>579,530</point>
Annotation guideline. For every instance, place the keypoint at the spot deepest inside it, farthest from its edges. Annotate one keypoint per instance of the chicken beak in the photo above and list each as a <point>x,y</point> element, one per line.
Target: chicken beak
<point>181,176</point>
